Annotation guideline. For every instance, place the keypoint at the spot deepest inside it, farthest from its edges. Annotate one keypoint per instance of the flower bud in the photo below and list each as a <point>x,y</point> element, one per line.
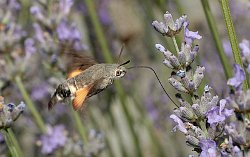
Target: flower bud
<point>193,141</point>
<point>168,64</point>
<point>174,62</point>
<point>187,113</point>
<point>198,110</point>
<point>177,85</point>
<point>160,27</point>
<point>198,76</point>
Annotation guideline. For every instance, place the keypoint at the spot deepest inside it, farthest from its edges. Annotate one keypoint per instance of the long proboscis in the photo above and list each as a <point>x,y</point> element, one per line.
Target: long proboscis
<point>147,67</point>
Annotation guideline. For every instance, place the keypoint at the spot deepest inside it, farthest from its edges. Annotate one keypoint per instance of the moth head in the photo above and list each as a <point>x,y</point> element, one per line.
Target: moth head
<point>120,71</point>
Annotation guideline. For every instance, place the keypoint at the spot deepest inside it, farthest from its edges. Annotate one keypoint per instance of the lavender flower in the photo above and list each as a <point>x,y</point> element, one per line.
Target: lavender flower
<point>40,91</point>
<point>218,114</point>
<point>67,32</point>
<point>9,113</point>
<point>29,46</point>
<point>95,144</point>
<point>1,138</point>
<point>56,137</point>
<point>238,78</point>
<point>245,52</point>
<point>208,148</point>
<point>180,125</point>
<point>65,6</point>
<point>169,27</point>
<point>189,35</point>
<point>228,149</point>
<point>237,131</point>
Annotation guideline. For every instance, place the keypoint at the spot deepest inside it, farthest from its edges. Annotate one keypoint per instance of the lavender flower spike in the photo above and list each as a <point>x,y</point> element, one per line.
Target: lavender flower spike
<point>169,28</point>
<point>9,113</point>
<point>238,78</point>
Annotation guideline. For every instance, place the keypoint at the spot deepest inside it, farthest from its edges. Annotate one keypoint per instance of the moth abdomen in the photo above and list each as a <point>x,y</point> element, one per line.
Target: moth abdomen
<point>62,92</point>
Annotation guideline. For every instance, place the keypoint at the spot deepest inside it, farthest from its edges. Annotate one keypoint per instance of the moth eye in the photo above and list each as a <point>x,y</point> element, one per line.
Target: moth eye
<point>118,73</point>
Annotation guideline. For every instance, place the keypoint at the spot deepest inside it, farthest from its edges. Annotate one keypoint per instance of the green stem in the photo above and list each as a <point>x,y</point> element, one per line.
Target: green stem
<point>25,14</point>
<point>30,104</point>
<point>108,58</point>
<point>215,34</point>
<point>98,30</point>
<point>232,36</point>
<point>15,143</point>
<point>179,7</point>
<point>80,127</point>
<point>175,45</point>
<point>10,145</point>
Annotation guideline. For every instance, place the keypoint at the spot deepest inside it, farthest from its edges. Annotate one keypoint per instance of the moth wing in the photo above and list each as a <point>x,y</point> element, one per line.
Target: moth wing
<point>96,88</point>
<point>80,97</point>
<point>73,73</point>
<point>78,62</point>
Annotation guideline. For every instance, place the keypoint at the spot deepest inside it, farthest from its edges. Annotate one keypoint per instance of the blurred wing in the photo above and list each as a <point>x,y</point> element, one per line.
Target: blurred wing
<point>78,62</point>
<point>80,97</point>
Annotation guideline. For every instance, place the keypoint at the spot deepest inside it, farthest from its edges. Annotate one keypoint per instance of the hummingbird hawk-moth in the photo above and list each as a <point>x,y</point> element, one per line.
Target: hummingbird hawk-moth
<point>85,79</point>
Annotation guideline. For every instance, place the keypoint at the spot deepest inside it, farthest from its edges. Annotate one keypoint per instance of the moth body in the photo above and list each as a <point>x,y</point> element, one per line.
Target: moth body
<point>84,84</point>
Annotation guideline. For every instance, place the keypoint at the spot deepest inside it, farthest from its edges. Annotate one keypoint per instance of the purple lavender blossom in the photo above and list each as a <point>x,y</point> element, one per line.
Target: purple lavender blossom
<point>245,47</point>
<point>245,52</point>
<point>237,131</point>
<point>9,113</point>
<point>208,148</point>
<point>38,33</point>
<point>103,12</point>
<point>218,114</point>
<point>67,32</point>
<point>29,45</point>
<point>1,138</point>
<point>179,124</point>
<point>237,152</point>
<point>14,5</point>
<point>55,138</point>
<point>238,78</point>
<point>39,91</point>
<point>169,27</point>
<point>65,6</point>
<point>189,35</point>
<point>227,47</point>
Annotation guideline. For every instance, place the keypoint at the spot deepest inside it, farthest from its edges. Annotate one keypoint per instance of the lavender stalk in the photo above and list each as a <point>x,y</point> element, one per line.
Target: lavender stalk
<point>8,114</point>
<point>232,36</point>
<point>215,35</point>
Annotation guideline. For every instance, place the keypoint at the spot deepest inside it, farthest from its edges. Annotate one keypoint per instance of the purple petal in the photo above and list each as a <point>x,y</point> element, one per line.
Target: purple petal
<point>55,138</point>
<point>218,114</point>
<point>189,35</point>
<point>29,45</point>
<point>65,6</point>
<point>180,125</point>
<point>208,148</point>
<point>245,48</point>
<point>38,33</point>
<point>238,78</point>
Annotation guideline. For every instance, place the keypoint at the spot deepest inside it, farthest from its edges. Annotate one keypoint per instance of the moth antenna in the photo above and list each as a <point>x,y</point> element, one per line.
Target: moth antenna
<point>120,54</point>
<point>124,63</point>
<point>146,67</point>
